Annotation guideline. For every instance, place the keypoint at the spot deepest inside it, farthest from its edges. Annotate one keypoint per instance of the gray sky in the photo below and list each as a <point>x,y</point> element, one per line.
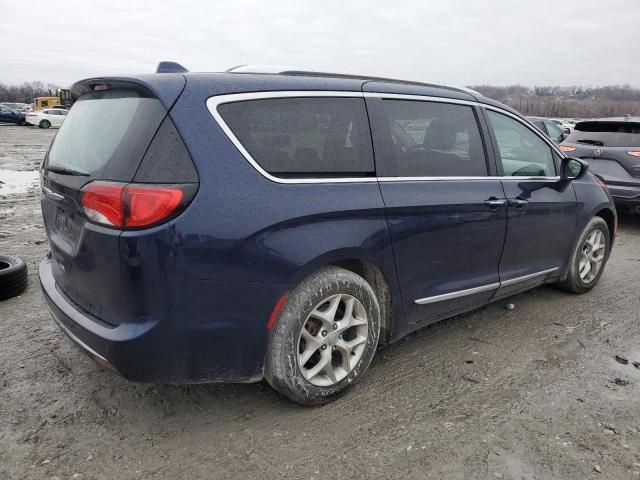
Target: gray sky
<point>460,42</point>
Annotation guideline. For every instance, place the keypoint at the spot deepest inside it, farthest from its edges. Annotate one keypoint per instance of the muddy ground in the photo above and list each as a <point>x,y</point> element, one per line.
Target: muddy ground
<point>523,394</point>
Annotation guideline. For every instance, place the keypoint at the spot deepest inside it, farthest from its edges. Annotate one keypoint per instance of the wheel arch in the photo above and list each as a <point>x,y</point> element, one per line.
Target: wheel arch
<point>612,221</point>
<point>381,287</point>
<point>368,269</point>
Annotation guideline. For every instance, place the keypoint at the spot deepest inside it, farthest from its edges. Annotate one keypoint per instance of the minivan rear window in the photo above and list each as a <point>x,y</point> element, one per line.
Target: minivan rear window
<point>606,134</point>
<point>304,137</point>
<point>105,134</point>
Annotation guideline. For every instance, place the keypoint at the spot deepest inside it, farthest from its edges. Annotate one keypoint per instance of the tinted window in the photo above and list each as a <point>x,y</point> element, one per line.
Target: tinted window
<point>431,139</point>
<point>554,131</point>
<point>606,134</point>
<point>106,134</point>
<point>521,151</point>
<point>304,136</point>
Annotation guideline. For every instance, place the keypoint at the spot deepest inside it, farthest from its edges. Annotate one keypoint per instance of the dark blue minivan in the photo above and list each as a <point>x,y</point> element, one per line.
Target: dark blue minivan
<point>230,227</point>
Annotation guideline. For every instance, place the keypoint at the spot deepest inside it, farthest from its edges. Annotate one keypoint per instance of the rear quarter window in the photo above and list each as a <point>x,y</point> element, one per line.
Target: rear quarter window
<point>304,137</point>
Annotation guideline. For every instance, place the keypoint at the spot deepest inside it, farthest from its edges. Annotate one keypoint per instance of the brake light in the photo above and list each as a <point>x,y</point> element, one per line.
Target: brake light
<point>149,204</point>
<point>635,153</point>
<point>132,205</point>
<point>566,148</point>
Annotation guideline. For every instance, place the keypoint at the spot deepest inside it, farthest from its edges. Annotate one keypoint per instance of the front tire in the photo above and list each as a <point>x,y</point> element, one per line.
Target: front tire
<point>44,124</point>
<point>589,257</point>
<point>325,337</point>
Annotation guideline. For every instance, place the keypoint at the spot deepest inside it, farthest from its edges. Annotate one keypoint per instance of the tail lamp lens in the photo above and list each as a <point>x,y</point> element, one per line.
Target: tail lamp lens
<point>635,153</point>
<point>132,205</point>
<point>566,148</point>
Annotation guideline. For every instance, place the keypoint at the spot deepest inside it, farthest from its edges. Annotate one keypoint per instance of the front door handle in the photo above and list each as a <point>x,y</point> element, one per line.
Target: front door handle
<point>518,202</point>
<point>494,203</point>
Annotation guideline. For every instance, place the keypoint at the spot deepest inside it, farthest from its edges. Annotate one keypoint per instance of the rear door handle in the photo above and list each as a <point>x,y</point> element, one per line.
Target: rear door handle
<point>494,203</point>
<point>518,202</point>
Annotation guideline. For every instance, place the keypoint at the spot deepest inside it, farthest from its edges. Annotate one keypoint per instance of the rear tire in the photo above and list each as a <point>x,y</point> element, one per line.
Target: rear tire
<point>13,276</point>
<point>44,124</point>
<point>325,337</point>
<point>589,257</point>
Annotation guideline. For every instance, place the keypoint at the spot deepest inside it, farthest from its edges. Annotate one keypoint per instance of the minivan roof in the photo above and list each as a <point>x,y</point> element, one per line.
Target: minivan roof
<point>241,82</point>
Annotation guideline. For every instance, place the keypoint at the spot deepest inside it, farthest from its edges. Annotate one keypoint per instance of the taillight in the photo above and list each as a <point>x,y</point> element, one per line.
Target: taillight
<point>566,148</point>
<point>133,205</point>
<point>635,153</point>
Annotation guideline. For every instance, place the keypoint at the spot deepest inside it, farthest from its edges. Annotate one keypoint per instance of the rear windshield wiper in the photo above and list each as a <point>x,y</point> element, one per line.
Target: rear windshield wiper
<point>597,143</point>
<point>67,171</point>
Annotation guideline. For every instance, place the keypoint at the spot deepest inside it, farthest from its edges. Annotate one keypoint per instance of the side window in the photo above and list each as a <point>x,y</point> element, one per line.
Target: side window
<point>554,131</point>
<point>432,139</point>
<point>304,137</point>
<point>521,151</point>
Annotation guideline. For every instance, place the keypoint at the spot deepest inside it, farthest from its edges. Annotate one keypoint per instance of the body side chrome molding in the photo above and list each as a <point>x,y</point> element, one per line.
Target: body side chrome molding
<point>459,293</point>
<point>483,288</point>
<point>524,278</point>
<point>214,102</point>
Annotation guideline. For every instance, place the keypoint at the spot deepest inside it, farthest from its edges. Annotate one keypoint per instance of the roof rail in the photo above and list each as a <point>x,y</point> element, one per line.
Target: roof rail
<point>170,67</point>
<point>260,69</point>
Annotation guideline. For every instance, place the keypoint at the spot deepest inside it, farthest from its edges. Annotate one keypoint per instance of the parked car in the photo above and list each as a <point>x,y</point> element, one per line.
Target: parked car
<point>549,128</point>
<point>235,227</point>
<point>9,115</point>
<point>611,146</point>
<point>52,117</point>
<point>565,125</point>
<point>14,105</point>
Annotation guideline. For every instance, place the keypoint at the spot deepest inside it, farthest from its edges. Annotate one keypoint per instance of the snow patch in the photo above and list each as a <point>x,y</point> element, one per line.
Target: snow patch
<point>12,181</point>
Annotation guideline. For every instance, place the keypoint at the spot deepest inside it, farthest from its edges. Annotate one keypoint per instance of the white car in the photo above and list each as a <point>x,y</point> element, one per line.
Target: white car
<point>50,117</point>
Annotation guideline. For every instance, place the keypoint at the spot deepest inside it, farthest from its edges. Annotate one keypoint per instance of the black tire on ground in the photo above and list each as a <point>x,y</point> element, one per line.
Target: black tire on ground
<point>282,370</point>
<point>44,124</point>
<point>574,283</point>
<point>13,276</point>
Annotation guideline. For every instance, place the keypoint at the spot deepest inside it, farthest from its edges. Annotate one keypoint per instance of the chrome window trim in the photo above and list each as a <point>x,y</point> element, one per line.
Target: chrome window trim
<point>483,288</point>
<point>215,101</point>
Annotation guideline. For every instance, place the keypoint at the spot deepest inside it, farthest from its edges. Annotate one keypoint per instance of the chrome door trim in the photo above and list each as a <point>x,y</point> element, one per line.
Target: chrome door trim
<point>483,288</point>
<point>524,278</point>
<point>459,293</point>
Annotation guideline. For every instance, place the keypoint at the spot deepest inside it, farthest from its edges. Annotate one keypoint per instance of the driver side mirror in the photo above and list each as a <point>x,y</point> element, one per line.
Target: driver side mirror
<point>573,168</point>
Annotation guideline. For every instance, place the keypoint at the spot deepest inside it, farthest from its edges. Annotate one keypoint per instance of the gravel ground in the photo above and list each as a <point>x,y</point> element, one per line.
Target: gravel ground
<point>523,394</point>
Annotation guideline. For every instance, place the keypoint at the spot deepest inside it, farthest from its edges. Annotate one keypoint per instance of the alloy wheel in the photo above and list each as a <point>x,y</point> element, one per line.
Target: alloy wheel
<point>332,340</point>
<point>592,256</point>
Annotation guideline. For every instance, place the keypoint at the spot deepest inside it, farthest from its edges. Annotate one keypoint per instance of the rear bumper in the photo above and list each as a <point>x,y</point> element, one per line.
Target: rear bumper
<point>625,195</point>
<point>176,350</point>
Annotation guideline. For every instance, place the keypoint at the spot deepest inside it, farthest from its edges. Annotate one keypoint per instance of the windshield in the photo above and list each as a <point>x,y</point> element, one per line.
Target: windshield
<point>606,134</point>
<point>106,134</point>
